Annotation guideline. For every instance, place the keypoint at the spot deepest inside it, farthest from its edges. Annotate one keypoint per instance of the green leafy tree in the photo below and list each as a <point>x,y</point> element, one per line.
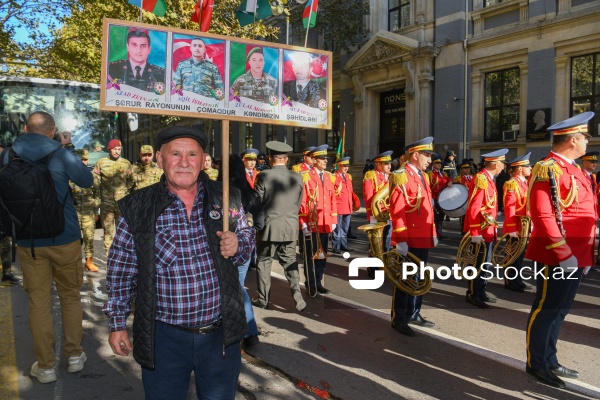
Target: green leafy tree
<point>76,52</point>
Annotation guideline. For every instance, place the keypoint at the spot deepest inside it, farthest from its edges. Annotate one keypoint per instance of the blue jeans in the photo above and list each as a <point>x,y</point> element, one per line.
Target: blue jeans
<point>177,353</point>
<point>253,329</point>
<point>340,234</point>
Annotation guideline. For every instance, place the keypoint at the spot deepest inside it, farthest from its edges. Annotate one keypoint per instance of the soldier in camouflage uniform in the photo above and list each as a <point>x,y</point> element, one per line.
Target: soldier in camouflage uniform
<point>145,172</point>
<point>114,177</point>
<point>256,84</point>
<point>198,74</point>
<point>86,204</point>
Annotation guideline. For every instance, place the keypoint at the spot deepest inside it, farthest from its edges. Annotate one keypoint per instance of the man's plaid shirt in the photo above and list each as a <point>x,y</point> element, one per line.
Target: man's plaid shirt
<point>187,288</point>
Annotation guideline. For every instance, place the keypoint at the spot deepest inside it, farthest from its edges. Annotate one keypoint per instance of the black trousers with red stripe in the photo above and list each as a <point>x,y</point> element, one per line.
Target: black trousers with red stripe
<point>553,301</point>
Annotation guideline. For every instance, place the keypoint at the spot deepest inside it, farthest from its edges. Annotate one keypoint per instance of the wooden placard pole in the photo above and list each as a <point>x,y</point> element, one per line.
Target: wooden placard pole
<point>225,171</point>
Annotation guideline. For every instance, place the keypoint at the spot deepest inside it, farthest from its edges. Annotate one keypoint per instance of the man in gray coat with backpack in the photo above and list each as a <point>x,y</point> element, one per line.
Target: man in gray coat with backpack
<point>37,171</point>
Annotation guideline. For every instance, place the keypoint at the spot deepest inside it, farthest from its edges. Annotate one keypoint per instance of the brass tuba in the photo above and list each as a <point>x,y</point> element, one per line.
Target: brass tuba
<point>392,261</point>
<point>467,251</point>
<point>508,249</point>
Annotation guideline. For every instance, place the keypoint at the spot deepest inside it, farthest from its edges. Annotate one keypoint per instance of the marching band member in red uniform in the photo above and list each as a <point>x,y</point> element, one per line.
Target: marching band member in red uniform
<point>249,157</point>
<point>319,192</point>
<point>515,206</point>
<point>306,163</point>
<point>412,217</point>
<point>464,178</point>
<point>439,181</point>
<point>562,242</point>
<point>483,198</point>
<point>343,196</point>
<point>373,181</point>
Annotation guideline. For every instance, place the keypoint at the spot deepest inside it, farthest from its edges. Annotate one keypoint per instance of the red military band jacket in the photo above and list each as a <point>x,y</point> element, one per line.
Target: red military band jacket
<point>321,194</point>
<point>343,193</point>
<point>439,180</point>
<point>578,203</point>
<point>482,197</point>
<point>372,183</point>
<point>252,180</point>
<point>411,208</point>
<point>515,204</point>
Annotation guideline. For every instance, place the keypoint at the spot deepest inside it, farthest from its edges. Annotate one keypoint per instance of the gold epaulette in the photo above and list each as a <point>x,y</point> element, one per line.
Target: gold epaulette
<point>541,168</point>
<point>370,176</point>
<point>481,181</point>
<point>296,167</point>
<point>349,176</point>
<point>305,176</point>
<point>511,185</point>
<point>398,177</point>
<point>331,177</point>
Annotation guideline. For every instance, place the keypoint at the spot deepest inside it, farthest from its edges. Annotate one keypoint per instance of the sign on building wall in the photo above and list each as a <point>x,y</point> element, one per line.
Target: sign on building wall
<point>537,122</point>
<point>151,69</point>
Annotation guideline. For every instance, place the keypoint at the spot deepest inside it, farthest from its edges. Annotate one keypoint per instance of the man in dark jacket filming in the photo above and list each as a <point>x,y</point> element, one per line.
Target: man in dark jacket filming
<point>171,255</point>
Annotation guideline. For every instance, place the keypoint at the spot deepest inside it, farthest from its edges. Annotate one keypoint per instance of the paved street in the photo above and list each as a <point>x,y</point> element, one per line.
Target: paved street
<point>341,346</point>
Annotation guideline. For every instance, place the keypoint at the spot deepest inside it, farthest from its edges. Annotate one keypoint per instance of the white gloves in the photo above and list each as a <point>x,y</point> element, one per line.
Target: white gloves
<point>569,264</point>
<point>435,241</point>
<point>513,234</point>
<point>333,227</point>
<point>372,220</point>
<point>586,270</point>
<point>476,239</point>
<point>305,230</point>
<point>402,248</point>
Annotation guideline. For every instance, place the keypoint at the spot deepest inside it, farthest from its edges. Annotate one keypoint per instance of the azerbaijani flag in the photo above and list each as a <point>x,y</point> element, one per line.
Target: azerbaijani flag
<point>340,150</point>
<point>156,7</point>
<point>309,19</point>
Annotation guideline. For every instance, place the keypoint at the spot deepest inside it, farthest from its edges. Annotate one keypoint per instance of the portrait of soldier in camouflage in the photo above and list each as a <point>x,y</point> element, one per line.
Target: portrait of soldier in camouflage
<point>198,74</point>
<point>255,84</point>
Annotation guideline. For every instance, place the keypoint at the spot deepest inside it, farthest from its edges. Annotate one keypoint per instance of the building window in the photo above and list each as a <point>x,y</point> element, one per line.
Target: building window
<point>501,103</point>
<point>585,86</point>
<point>399,14</point>
<point>299,139</point>
<point>271,133</point>
<point>489,3</point>
<point>248,135</point>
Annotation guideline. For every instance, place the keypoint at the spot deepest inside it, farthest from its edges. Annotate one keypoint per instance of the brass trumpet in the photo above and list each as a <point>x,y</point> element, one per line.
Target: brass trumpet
<point>467,251</point>
<point>508,249</point>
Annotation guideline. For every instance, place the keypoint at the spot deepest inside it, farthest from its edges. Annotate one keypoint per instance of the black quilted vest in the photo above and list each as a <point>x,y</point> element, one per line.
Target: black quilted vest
<point>141,210</point>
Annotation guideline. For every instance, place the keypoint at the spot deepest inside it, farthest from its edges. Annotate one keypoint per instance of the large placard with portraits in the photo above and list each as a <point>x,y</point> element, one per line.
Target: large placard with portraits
<point>152,69</point>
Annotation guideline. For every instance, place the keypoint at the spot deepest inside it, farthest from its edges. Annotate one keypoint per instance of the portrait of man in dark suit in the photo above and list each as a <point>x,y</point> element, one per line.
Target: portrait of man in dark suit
<point>136,71</point>
<point>303,89</point>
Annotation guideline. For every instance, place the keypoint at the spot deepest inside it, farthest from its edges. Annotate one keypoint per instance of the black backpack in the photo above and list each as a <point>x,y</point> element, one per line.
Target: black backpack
<point>29,204</point>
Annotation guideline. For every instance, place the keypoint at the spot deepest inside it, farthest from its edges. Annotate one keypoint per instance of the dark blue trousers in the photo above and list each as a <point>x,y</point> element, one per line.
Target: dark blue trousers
<point>405,306</point>
<point>477,286</point>
<point>178,353</point>
<point>553,301</point>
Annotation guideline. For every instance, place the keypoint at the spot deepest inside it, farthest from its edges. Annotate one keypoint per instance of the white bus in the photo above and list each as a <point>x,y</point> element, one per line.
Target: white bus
<point>74,105</point>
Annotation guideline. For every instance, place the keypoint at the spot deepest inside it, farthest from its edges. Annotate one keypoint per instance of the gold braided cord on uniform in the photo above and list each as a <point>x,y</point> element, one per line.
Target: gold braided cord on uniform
<point>304,175</point>
<point>338,190</point>
<point>399,179</point>
<point>482,183</point>
<point>540,174</point>
<point>372,176</point>
<point>331,177</point>
<point>512,185</point>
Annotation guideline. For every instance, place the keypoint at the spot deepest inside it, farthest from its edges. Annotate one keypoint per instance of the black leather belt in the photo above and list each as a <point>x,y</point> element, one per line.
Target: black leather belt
<point>201,330</point>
